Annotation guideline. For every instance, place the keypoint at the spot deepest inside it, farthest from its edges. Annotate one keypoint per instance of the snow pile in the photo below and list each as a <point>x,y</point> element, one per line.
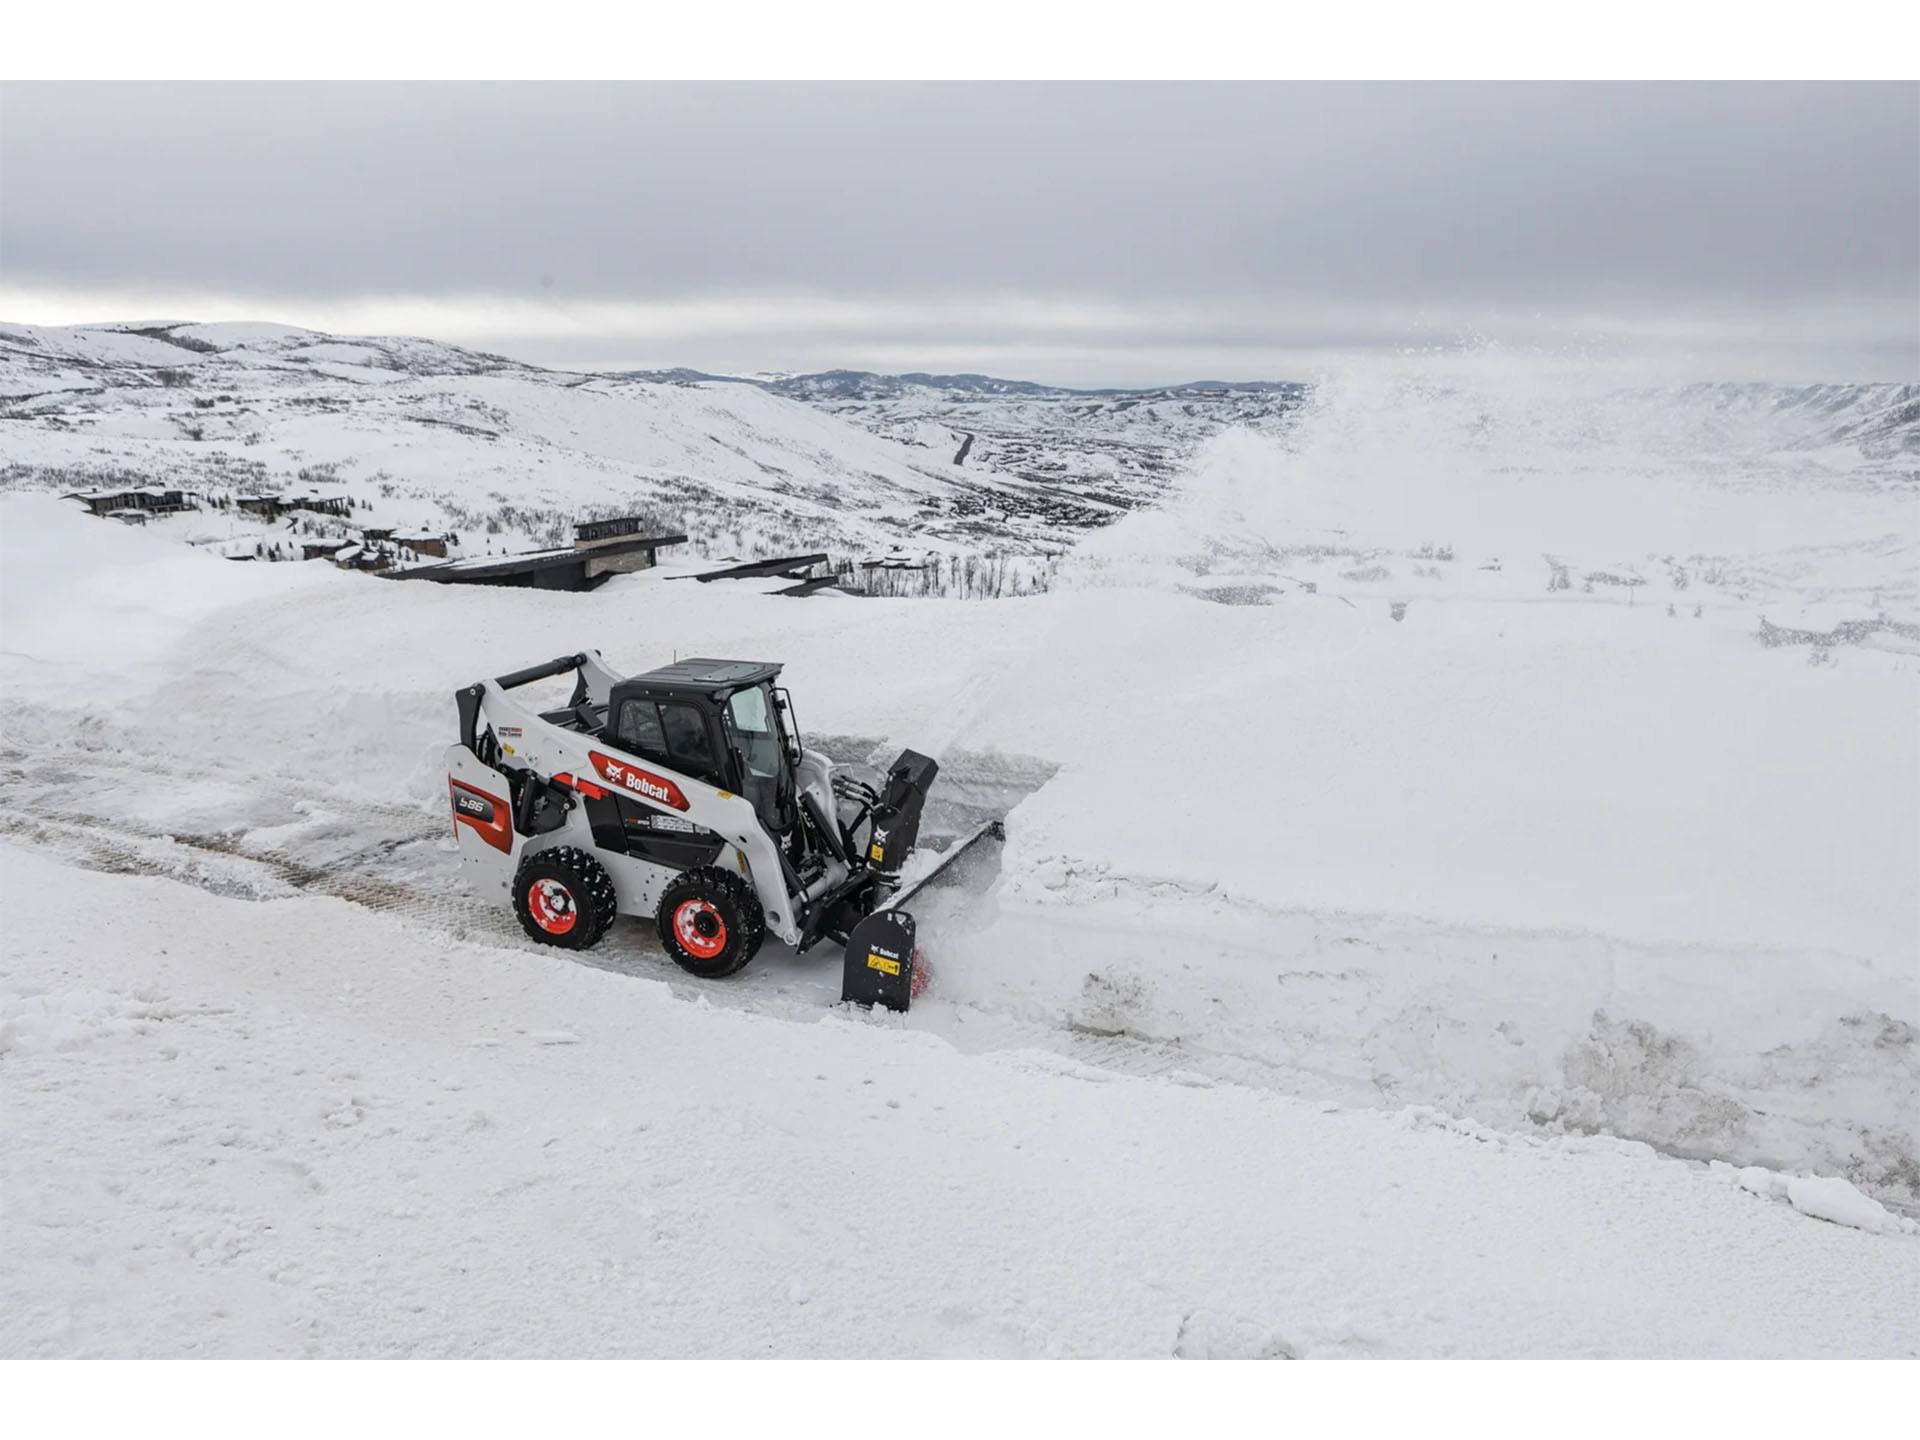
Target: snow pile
<point>88,602</point>
<point>352,1136</point>
<point>69,1020</point>
<point>1826,1197</point>
<point>1397,788</point>
<point>1567,721</point>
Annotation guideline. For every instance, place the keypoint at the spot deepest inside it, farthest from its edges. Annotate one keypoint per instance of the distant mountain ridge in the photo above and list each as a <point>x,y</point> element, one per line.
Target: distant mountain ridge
<point>880,385</point>
<point>854,461</point>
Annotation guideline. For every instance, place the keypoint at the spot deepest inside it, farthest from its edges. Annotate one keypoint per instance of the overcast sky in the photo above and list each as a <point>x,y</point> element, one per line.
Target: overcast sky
<point>1091,233</point>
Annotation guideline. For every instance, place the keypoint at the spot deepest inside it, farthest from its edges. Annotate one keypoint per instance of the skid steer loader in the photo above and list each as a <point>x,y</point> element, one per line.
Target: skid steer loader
<point>685,794</point>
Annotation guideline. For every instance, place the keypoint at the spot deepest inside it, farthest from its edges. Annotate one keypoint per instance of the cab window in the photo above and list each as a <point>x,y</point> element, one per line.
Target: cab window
<point>750,717</point>
<point>639,730</point>
<point>755,736</point>
<point>689,749</point>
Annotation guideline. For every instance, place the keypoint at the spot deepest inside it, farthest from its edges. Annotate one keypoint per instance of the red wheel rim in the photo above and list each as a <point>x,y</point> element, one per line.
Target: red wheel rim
<point>699,929</point>
<point>551,905</point>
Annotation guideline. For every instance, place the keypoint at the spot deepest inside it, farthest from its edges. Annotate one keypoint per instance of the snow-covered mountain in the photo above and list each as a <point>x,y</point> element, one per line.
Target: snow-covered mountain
<point>506,455</point>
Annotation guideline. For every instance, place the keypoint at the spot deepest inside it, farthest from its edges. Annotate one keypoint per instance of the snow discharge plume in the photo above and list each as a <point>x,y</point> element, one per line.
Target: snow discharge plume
<point>1511,457</point>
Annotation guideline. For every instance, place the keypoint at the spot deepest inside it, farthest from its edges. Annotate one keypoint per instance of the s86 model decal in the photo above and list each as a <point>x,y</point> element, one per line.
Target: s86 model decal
<point>625,776</point>
<point>485,814</point>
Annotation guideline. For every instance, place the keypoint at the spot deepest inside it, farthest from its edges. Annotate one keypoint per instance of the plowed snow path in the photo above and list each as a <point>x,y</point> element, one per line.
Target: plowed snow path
<point>1553,1037</point>
<point>299,1127</point>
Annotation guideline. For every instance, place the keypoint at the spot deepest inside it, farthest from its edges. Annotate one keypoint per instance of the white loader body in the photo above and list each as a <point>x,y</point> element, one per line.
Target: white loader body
<point>492,847</point>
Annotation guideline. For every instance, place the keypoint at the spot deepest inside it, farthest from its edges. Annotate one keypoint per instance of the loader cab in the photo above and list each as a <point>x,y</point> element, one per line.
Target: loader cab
<point>720,721</point>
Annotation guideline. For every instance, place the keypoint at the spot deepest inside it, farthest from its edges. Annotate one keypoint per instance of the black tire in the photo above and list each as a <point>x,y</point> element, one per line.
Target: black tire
<point>564,897</point>
<point>710,921</point>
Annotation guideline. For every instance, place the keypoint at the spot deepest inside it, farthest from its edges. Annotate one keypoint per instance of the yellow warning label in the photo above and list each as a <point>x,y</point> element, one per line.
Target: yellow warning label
<point>882,964</point>
<point>876,854</point>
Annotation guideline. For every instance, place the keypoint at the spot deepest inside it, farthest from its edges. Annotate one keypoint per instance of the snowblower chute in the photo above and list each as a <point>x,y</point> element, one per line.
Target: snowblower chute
<point>685,794</point>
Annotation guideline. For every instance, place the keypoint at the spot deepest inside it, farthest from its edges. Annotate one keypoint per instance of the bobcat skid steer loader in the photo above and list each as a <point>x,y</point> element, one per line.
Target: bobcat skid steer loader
<point>684,794</point>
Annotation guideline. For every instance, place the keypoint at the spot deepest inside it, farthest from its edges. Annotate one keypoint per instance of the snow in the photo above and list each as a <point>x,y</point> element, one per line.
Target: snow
<point>1333,961</point>
<point>1828,1197</point>
<point>429,435</point>
<point>296,1146</point>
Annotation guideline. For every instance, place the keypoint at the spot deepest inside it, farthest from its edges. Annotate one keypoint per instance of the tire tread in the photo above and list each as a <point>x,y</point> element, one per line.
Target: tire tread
<point>739,907</point>
<point>593,889</point>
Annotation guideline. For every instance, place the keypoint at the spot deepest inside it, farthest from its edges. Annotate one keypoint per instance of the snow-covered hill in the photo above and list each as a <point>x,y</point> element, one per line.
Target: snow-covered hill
<point>426,436</point>
<point>506,455</point>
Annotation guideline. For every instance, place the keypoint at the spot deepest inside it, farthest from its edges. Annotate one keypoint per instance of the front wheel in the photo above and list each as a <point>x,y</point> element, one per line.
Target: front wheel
<point>710,921</point>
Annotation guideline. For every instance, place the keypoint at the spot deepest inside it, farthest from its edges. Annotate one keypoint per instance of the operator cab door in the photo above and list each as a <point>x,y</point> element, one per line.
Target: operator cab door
<point>678,737</point>
<point>753,734</point>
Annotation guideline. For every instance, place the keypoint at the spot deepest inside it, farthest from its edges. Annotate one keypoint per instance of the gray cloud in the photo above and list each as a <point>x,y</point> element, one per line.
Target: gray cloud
<point>1093,225</point>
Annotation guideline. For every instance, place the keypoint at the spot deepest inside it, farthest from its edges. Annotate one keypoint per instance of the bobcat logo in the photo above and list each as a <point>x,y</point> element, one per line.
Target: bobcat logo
<point>635,781</point>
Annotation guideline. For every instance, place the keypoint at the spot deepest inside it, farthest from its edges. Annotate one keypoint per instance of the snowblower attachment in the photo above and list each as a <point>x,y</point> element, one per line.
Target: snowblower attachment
<point>880,958</point>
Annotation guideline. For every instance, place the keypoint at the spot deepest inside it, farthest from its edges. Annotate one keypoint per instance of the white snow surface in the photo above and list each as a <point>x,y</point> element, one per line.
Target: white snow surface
<point>1350,984</point>
<point>301,1128</point>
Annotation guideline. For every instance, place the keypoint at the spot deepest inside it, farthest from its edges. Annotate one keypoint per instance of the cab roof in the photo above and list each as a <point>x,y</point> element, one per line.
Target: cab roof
<point>705,676</point>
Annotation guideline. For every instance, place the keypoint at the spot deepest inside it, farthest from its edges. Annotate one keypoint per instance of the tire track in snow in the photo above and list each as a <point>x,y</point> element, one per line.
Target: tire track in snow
<point>779,983</point>
<point>398,859</point>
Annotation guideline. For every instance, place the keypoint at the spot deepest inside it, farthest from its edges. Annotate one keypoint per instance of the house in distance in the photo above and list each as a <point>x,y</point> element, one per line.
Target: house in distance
<point>272,507</point>
<point>134,504</point>
<point>600,548</point>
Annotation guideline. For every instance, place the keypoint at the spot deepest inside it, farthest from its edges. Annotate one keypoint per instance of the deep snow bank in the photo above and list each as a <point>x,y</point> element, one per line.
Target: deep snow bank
<point>1481,646</point>
<point>299,1128</point>
<point>1465,773</point>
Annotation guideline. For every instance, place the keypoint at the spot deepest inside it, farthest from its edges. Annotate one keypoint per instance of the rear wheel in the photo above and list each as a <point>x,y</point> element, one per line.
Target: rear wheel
<point>564,897</point>
<point>710,921</point>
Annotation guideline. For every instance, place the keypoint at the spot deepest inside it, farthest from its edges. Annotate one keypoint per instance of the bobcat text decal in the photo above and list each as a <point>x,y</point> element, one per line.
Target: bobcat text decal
<point>624,775</point>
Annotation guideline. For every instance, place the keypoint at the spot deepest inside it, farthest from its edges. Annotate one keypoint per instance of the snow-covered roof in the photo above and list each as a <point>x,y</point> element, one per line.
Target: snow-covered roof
<point>158,492</point>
